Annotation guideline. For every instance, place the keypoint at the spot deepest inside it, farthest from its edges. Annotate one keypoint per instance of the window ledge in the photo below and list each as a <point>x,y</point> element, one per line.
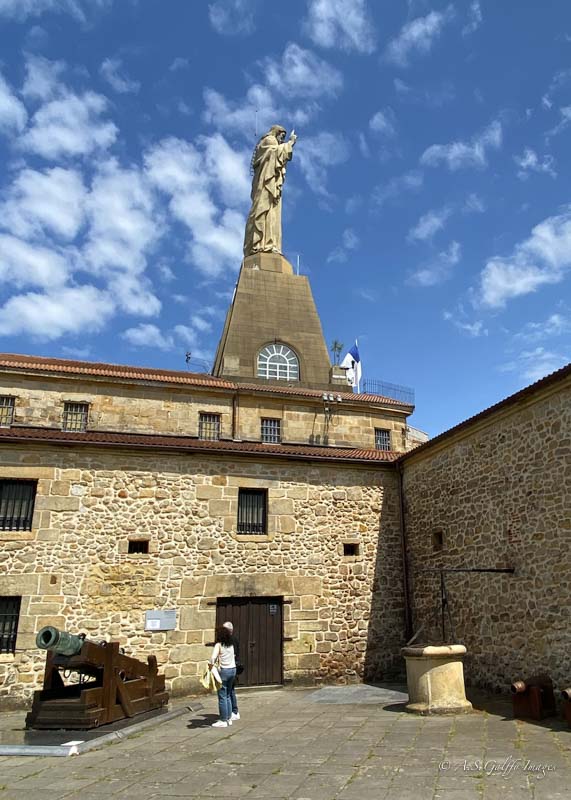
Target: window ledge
<point>7,658</point>
<point>252,537</point>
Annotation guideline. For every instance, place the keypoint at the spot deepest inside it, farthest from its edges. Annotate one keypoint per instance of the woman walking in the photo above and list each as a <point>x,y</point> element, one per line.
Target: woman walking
<point>223,657</point>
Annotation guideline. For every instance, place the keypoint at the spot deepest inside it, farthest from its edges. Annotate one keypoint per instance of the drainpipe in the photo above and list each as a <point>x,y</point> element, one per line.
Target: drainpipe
<point>234,415</point>
<point>404,555</point>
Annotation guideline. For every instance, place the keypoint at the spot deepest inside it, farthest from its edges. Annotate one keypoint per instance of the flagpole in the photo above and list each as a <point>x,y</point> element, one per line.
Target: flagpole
<point>358,377</point>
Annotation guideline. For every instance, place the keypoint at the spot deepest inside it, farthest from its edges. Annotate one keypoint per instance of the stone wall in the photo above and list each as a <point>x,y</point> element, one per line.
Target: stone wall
<point>140,408</point>
<point>73,570</point>
<point>498,494</point>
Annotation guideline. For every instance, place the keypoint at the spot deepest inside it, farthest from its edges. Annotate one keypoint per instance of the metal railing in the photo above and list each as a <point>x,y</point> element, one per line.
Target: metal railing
<point>404,394</point>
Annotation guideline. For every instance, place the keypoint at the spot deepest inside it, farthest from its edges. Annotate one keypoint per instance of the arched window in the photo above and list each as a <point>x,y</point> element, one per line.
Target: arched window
<point>278,362</point>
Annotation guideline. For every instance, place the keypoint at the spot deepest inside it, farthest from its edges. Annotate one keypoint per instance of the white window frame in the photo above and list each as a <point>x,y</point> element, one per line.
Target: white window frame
<point>278,362</point>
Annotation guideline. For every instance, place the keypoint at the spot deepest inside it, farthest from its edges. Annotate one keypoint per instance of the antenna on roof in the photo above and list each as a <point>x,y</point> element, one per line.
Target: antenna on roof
<point>187,357</point>
<point>256,125</point>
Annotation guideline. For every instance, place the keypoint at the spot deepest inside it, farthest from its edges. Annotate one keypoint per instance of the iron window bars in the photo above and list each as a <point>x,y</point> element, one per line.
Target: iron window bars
<point>382,439</point>
<point>6,411</point>
<point>252,510</point>
<point>75,416</point>
<point>271,431</point>
<point>209,426</point>
<point>17,504</point>
<point>9,616</point>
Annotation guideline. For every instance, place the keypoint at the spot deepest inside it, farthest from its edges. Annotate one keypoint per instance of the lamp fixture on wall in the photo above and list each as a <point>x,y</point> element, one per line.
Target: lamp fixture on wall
<point>329,403</point>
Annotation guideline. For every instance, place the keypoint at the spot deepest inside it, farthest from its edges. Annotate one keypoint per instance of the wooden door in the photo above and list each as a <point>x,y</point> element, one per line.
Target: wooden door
<point>258,626</point>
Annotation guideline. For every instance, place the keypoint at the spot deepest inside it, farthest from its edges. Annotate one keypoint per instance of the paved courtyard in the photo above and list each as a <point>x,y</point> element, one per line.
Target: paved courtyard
<point>341,743</point>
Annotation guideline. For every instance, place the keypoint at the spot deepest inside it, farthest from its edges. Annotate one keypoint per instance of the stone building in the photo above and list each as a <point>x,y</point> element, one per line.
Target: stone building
<point>265,492</point>
<point>145,505</point>
<point>495,492</point>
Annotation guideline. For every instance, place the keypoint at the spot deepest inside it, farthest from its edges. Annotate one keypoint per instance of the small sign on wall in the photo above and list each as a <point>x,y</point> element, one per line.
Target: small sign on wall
<point>164,620</point>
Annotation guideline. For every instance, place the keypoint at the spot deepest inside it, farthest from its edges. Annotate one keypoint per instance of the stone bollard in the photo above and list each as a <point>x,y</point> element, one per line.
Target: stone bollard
<point>435,678</point>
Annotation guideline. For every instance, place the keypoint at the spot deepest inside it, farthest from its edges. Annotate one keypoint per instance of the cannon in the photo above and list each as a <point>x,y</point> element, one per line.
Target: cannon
<point>533,698</point>
<point>107,685</point>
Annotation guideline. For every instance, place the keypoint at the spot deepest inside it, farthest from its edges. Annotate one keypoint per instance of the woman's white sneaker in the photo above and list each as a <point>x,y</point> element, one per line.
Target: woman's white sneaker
<point>220,724</point>
<point>234,717</point>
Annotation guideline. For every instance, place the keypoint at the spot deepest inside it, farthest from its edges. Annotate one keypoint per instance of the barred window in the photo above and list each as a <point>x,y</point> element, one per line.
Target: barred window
<point>382,439</point>
<point>75,416</point>
<point>252,510</point>
<point>9,615</point>
<point>6,411</point>
<point>278,362</point>
<point>272,430</point>
<point>17,504</point>
<point>209,426</point>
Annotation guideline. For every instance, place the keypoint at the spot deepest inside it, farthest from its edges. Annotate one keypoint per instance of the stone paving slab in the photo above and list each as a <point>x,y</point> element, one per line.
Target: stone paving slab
<point>337,743</point>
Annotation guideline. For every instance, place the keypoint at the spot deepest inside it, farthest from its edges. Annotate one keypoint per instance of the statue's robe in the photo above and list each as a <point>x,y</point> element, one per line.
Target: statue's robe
<point>264,225</point>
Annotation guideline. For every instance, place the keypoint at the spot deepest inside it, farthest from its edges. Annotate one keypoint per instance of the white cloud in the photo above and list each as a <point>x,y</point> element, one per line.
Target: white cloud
<point>541,259</point>
<point>459,155</point>
<point>301,73</point>
<point>179,63</point>
<point>411,181</point>
<point>439,269</point>
<point>555,325</point>
<point>22,9</point>
<point>200,323</point>
<point>474,204</point>
<point>52,201</point>
<point>475,18</point>
<point>25,264</point>
<point>258,105</point>
<point>559,81</point>
<point>345,24</point>
<point>565,113</point>
<point>535,364</point>
<point>298,76</point>
<point>349,242</point>
<point>207,184</point>
<point>110,71</point>
<point>474,329</point>
<point>124,226</point>
<point>384,122</point>
<point>429,224</point>
<point>433,96</point>
<point>145,335</point>
<point>365,294</point>
<point>232,17</point>
<point>316,154</point>
<point>529,162</point>
<point>13,114</point>
<point>460,318</point>
<point>42,80</point>
<point>78,309</point>
<point>418,36</point>
<point>70,125</point>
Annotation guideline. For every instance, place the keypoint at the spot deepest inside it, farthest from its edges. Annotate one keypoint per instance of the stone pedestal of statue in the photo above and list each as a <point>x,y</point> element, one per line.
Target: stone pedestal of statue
<point>435,679</point>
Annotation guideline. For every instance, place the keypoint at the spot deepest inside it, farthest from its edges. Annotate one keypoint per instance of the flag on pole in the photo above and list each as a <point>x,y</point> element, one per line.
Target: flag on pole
<point>352,363</point>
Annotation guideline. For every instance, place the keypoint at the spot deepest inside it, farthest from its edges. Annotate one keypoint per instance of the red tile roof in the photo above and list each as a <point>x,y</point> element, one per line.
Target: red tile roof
<point>21,434</point>
<point>199,380</point>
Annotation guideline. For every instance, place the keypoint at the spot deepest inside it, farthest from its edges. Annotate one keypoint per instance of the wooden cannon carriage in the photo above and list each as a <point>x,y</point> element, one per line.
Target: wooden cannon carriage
<point>108,685</point>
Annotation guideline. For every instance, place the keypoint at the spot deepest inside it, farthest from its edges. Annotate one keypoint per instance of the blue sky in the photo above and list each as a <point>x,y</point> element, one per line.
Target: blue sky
<point>428,197</point>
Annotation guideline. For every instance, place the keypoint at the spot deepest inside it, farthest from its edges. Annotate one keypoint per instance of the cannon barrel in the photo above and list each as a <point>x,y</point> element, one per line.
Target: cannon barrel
<point>518,687</point>
<point>60,642</point>
<point>566,694</point>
